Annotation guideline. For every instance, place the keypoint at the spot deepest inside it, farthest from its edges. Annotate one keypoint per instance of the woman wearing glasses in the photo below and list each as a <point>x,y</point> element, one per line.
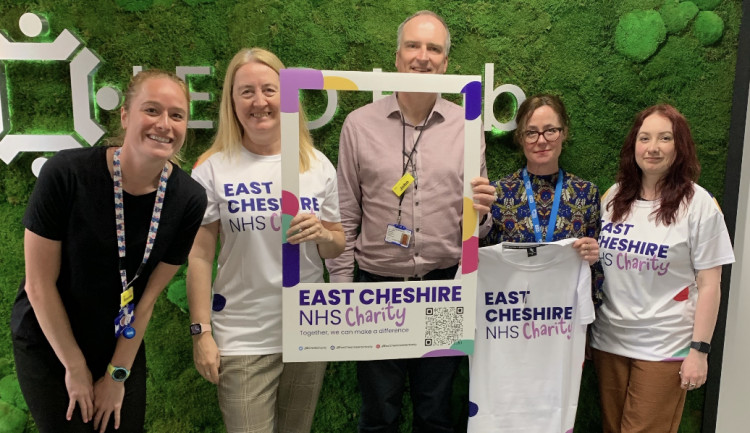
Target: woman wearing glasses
<point>538,203</point>
<point>542,129</point>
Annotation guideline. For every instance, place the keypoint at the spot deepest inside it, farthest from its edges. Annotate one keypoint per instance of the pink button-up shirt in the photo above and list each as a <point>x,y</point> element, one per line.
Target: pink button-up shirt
<point>371,162</point>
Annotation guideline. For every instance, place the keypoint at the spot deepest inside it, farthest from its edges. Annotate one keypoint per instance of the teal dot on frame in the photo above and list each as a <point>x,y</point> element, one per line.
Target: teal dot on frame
<point>286,221</point>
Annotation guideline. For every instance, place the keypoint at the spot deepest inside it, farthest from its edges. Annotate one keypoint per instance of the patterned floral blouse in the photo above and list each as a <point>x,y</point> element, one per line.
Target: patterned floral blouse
<point>577,217</point>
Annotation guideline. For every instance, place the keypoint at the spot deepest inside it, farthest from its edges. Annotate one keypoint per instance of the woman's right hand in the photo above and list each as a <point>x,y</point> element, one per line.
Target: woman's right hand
<point>43,260</point>
<point>80,388</point>
<point>206,357</point>
<point>588,248</point>
<point>484,195</point>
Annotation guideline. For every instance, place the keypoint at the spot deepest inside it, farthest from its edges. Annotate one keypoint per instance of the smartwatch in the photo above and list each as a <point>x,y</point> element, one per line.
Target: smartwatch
<point>119,374</point>
<point>700,346</point>
<point>199,328</point>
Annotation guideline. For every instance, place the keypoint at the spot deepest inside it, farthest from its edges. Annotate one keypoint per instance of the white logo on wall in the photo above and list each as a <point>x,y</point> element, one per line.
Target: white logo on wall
<point>84,64</point>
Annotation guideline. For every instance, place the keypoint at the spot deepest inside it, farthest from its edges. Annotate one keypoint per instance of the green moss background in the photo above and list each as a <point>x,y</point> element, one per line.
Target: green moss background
<point>569,48</point>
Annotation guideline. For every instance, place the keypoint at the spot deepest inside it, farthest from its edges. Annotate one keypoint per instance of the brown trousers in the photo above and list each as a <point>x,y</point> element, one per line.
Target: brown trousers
<point>639,396</point>
<point>261,394</point>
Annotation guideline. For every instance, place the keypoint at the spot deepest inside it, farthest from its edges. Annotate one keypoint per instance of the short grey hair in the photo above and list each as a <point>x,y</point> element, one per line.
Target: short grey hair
<point>431,14</point>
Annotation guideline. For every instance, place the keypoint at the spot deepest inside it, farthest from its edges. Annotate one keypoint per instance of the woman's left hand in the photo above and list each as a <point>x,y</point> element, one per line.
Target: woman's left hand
<point>694,370</point>
<point>108,396</point>
<point>588,248</point>
<point>306,227</point>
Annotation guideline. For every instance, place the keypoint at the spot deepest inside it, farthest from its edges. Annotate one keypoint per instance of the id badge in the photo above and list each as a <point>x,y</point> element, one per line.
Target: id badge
<point>124,319</point>
<point>398,235</point>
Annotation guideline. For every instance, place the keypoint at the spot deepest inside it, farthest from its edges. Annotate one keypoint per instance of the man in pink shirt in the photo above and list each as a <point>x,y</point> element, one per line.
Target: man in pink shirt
<point>414,236</point>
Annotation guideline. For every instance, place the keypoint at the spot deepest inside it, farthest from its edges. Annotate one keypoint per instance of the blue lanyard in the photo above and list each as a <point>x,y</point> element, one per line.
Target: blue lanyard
<point>532,207</point>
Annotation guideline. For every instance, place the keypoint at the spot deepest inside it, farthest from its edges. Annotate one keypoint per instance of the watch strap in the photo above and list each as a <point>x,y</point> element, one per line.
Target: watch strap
<point>700,346</point>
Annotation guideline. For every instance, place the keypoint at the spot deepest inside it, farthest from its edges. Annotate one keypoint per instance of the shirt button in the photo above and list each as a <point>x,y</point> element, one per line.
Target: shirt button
<point>416,204</point>
<point>417,229</point>
<point>416,254</point>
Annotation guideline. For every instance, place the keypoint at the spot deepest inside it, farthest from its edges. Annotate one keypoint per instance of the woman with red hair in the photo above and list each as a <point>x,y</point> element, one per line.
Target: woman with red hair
<point>662,244</point>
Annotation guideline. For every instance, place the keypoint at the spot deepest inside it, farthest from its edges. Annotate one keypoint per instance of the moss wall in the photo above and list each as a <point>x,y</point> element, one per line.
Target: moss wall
<point>607,59</point>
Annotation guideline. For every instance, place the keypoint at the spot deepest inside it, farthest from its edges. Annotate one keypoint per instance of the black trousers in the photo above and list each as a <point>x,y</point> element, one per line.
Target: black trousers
<point>42,379</point>
<point>382,383</point>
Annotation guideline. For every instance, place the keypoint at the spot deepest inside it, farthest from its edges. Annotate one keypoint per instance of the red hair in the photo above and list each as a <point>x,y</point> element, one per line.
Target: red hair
<point>675,187</point>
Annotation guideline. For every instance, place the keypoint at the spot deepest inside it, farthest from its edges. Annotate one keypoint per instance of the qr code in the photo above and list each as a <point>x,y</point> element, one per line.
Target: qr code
<point>443,325</point>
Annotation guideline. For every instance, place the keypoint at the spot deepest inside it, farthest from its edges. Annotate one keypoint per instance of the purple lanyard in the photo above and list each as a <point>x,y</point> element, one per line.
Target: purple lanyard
<point>120,219</point>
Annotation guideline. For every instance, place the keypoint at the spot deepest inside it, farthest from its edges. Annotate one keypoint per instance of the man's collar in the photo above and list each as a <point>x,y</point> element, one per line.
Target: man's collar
<point>436,115</point>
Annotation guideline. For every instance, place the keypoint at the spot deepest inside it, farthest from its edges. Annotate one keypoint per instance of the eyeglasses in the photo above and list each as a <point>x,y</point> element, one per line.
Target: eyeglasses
<point>551,134</point>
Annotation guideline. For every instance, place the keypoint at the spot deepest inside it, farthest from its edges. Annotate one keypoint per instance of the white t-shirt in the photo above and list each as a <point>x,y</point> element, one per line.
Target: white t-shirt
<point>532,312</point>
<point>650,288</point>
<point>245,195</point>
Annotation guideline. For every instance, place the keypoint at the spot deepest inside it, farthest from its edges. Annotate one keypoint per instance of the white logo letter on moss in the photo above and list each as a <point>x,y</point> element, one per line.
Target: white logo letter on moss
<point>82,67</point>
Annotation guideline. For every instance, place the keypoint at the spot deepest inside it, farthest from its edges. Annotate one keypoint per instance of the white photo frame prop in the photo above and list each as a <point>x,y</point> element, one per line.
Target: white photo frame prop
<point>365,321</point>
